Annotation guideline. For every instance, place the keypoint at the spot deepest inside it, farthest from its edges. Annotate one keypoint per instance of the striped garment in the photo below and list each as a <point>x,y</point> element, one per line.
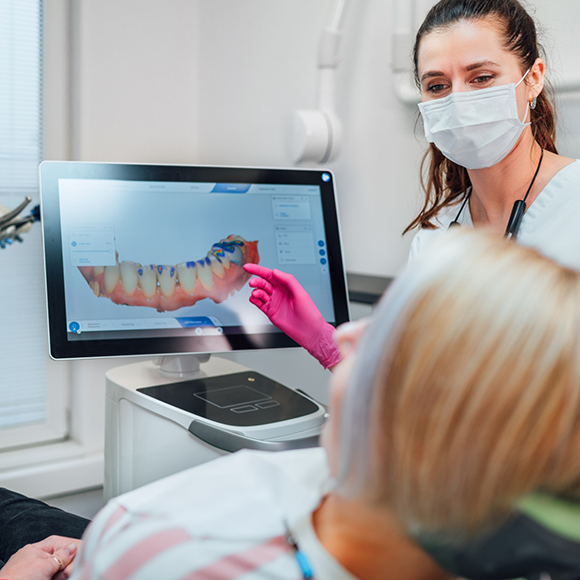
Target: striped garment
<point>223,520</point>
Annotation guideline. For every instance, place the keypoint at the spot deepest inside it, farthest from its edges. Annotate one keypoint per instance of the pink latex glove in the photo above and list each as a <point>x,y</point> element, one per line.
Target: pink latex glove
<point>283,300</point>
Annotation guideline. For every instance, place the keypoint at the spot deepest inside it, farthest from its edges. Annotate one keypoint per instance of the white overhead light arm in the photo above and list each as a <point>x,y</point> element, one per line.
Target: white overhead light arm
<point>403,40</point>
<point>316,133</point>
<point>337,21</point>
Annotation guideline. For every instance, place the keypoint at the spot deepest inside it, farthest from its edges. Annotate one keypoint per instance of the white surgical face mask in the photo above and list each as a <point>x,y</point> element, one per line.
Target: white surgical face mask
<point>475,129</point>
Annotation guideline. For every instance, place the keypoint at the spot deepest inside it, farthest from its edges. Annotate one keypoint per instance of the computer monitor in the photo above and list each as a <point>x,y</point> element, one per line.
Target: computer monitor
<point>147,259</point>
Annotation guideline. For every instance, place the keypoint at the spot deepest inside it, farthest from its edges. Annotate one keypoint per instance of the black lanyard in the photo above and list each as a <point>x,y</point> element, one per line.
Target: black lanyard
<point>513,225</point>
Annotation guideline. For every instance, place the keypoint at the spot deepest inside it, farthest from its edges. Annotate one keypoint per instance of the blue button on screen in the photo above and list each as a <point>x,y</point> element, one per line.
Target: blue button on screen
<point>231,188</point>
<point>323,261</point>
<point>320,243</point>
<point>322,252</point>
<point>194,321</point>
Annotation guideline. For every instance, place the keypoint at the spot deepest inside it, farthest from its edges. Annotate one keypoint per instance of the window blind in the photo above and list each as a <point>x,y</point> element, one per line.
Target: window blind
<point>23,348</point>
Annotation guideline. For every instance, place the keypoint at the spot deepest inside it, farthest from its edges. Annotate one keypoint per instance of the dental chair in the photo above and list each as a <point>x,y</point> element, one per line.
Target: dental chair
<point>540,541</point>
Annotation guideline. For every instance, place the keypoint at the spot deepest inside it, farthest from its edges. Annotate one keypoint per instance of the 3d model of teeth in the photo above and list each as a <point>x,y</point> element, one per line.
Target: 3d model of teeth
<point>164,287</point>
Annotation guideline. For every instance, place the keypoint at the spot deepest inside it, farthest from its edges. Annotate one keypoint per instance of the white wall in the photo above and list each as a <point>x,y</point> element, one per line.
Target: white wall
<point>259,64</point>
<point>559,36</point>
<point>215,81</point>
<point>136,85</point>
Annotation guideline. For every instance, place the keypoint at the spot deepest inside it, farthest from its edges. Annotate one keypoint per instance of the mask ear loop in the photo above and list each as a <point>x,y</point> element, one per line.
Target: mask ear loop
<point>522,79</point>
<point>528,106</point>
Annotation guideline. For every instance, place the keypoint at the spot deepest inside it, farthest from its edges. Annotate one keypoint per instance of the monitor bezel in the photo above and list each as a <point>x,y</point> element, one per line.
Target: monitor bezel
<point>59,345</point>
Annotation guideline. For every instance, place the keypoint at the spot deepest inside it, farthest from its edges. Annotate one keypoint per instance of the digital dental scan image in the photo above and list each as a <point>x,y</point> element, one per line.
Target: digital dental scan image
<point>217,276</point>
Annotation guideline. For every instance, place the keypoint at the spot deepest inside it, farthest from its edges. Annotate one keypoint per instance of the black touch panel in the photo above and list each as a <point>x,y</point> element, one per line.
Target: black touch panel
<point>241,399</point>
<point>147,259</point>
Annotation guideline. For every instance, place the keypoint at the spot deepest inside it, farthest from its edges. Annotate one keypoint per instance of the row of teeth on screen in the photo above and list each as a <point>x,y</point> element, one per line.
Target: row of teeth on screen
<point>150,277</point>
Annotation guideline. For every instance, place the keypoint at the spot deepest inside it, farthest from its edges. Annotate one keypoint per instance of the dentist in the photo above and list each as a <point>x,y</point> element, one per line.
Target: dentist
<point>492,160</point>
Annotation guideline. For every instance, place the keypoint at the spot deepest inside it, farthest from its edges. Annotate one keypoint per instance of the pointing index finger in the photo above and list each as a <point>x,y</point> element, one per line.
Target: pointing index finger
<point>257,270</point>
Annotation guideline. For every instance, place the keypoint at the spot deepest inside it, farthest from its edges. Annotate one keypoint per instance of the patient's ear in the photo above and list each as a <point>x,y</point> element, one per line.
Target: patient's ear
<point>348,334</point>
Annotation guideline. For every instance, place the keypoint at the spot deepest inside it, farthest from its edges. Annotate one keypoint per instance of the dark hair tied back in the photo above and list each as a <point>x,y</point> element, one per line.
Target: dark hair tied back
<point>445,182</point>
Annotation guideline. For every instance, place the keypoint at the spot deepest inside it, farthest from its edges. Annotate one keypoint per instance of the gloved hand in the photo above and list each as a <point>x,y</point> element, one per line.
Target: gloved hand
<point>283,300</point>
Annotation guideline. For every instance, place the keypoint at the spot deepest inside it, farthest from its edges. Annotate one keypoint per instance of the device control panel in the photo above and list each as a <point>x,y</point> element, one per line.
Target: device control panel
<point>240,399</point>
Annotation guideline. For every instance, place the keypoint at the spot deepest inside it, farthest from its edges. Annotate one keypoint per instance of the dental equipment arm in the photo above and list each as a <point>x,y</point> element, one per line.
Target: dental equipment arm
<point>283,300</point>
<point>12,225</point>
<point>316,134</point>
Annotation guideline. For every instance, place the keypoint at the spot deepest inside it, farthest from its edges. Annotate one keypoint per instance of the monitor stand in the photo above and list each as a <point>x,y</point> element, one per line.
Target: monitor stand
<point>182,366</point>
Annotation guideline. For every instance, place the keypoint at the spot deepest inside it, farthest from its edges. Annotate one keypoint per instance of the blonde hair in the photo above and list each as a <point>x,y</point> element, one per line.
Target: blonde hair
<point>472,370</point>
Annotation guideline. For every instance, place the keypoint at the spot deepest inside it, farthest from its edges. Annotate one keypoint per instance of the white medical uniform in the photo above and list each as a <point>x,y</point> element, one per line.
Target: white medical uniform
<point>551,224</point>
<point>223,519</point>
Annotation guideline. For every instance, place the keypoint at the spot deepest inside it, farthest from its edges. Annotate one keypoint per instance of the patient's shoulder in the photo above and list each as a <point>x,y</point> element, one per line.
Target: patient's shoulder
<point>236,505</point>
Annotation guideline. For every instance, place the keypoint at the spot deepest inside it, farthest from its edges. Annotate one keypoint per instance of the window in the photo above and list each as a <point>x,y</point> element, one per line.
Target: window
<point>32,407</point>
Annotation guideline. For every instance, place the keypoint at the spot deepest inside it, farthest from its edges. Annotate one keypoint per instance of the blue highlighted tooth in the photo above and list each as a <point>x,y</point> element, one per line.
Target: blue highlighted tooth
<point>190,264</point>
<point>207,261</point>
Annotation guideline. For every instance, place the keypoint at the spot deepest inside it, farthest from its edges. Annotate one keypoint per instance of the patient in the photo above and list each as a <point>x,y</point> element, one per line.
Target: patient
<point>461,397</point>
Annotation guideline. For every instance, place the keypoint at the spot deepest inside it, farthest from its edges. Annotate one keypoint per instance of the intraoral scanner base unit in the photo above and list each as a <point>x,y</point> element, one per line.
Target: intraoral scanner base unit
<point>157,426</point>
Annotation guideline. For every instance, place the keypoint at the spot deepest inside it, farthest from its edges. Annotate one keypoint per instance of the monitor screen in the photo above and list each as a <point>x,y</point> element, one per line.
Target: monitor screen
<point>148,259</point>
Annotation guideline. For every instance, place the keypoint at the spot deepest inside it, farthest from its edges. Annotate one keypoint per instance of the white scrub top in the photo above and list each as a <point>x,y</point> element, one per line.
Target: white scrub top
<point>551,224</point>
